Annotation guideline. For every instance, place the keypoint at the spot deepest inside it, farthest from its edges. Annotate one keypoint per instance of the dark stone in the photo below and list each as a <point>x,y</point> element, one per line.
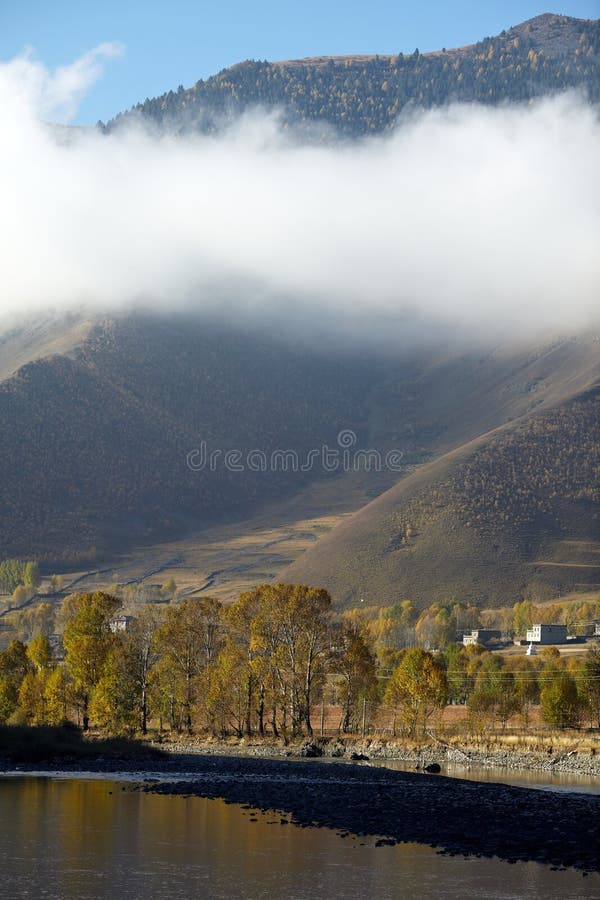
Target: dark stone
<point>433,768</point>
<point>311,751</point>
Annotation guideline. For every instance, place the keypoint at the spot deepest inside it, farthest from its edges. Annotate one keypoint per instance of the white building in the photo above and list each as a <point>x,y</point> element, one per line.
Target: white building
<point>547,634</point>
<point>121,623</point>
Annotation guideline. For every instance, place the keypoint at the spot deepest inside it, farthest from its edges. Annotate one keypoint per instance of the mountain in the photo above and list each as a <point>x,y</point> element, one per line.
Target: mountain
<point>513,513</point>
<point>498,494</point>
<point>93,455</point>
<point>27,340</point>
<point>362,95</point>
<point>500,450</point>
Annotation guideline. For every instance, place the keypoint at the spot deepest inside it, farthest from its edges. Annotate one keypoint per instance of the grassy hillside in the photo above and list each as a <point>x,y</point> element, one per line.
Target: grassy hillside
<point>94,450</point>
<point>513,514</point>
<point>360,95</point>
<point>93,455</point>
<point>24,341</point>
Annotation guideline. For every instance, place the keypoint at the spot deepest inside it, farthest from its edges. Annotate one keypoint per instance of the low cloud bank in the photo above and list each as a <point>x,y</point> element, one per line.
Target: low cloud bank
<point>475,218</point>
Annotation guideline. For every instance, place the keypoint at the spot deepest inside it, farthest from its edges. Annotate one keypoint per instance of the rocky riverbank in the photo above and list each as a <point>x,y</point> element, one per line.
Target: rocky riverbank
<point>548,759</point>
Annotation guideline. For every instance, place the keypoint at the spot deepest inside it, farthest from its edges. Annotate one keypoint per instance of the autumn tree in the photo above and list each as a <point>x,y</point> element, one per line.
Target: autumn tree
<point>9,698</point>
<point>10,575</point>
<point>124,689</point>
<point>87,640</point>
<point>588,686</point>
<point>114,702</point>
<point>15,665</point>
<point>418,687</point>
<point>291,638</point>
<point>32,697</point>
<point>292,622</point>
<point>188,640</point>
<point>526,685</point>
<point>494,696</point>
<point>166,691</point>
<point>39,653</point>
<point>270,662</point>
<point>22,595</point>
<point>524,614</point>
<point>31,575</point>
<point>168,589</point>
<point>312,605</point>
<point>239,620</point>
<point>225,690</point>
<point>34,620</point>
<point>58,695</point>
<point>558,698</point>
<point>460,682</point>
<point>436,626</point>
<point>140,641</point>
<point>13,573</point>
<point>394,628</point>
<point>56,583</point>
<point>355,667</point>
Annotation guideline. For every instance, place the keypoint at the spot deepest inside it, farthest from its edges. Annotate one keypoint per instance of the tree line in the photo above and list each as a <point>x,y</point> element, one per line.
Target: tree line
<point>261,665</point>
<point>16,573</point>
<point>402,624</point>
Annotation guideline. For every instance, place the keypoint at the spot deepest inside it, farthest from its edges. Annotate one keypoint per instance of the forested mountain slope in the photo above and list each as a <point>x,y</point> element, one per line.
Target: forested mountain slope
<point>515,513</point>
<point>361,95</point>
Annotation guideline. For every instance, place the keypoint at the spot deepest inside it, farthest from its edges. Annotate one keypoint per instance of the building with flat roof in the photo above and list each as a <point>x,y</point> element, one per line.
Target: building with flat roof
<point>547,634</point>
<point>121,623</point>
<point>481,636</point>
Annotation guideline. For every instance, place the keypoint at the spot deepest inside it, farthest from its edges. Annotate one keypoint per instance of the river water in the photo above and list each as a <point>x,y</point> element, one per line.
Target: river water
<point>79,839</point>
<point>530,778</point>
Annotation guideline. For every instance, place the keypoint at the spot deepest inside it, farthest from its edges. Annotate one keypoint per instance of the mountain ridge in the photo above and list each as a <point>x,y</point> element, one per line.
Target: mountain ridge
<point>364,94</point>
<point>538,29</point>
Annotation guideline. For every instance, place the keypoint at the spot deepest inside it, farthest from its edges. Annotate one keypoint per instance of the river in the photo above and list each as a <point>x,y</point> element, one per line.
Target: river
<point>85,839</point>
<point>531,778</point>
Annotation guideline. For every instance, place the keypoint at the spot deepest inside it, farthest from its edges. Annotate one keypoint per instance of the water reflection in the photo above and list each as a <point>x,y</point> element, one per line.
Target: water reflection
<point>546,781</point>
<point>87,840</point>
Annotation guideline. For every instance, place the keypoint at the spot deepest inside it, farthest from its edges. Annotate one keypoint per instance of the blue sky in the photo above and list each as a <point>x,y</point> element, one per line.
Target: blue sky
<point>167,44</point>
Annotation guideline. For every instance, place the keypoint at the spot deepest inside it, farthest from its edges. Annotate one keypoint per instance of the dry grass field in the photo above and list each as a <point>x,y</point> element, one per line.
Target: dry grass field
<point>225,560</point>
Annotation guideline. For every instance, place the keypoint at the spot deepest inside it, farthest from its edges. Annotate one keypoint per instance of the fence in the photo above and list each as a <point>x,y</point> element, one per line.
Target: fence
<point>374,720</point>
